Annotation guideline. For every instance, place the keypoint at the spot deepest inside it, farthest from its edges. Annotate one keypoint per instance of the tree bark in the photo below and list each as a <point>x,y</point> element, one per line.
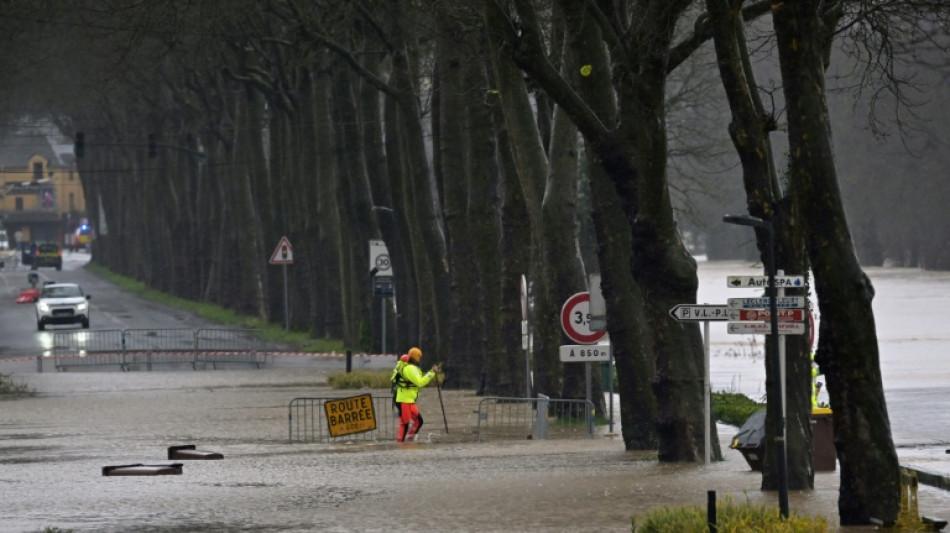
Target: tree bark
<point>749,130</point>
<point>847,351</point>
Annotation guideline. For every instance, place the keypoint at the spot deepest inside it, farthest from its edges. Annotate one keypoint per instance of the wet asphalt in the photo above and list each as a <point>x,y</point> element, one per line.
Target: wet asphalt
<point>54,446</point>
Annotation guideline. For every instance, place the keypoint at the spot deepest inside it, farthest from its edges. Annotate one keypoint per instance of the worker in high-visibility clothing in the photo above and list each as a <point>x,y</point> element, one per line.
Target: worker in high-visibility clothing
<point>815,385</point>
<point>407,380</point>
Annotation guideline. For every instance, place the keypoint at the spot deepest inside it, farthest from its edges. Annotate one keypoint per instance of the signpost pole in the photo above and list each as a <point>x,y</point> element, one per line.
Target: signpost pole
<point>286,302</point>
<point>284,255</point>
<point>707,437</point>
<point>778,370</point>
<point>587,381</point>
<point>525,338</point>
<point>780,292</point>
<point>610,380</point>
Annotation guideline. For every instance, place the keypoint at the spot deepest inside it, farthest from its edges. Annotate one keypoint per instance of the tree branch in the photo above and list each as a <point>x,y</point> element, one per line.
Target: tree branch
<point>703,31</point>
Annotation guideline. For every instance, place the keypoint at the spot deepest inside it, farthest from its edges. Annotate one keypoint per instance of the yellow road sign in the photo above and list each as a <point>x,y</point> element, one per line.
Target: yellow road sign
<point>350,415</point>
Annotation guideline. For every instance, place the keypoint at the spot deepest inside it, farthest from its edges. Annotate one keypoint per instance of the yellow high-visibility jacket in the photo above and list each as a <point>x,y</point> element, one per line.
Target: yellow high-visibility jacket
<point>407,389</point>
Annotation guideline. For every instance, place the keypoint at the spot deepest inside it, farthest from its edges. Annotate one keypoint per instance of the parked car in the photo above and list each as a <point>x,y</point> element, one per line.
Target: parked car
<point>62,303</point>
<point>48,254</point>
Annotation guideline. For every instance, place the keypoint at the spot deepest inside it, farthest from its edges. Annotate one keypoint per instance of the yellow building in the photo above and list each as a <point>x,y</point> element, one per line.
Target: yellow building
<point>41,196</point>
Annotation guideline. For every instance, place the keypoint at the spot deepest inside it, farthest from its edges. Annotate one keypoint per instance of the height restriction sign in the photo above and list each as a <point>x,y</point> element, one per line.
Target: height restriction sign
<point>283,254</point>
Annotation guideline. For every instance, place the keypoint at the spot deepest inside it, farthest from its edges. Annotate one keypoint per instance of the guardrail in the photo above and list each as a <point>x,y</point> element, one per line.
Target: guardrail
<point>534,418</point>
<point>307,421</point>
<point>138,349</point>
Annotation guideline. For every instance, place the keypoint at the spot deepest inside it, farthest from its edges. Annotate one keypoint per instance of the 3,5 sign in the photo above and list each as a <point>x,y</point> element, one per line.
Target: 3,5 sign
<point>575,319</point>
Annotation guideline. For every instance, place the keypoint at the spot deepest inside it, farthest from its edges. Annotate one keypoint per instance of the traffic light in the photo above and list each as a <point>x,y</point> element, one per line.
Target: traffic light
<point>152,152</point>
<point>79,149</point>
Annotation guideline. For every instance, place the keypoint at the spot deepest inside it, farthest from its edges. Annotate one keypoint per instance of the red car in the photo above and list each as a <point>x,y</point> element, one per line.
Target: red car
<point>28,296</point>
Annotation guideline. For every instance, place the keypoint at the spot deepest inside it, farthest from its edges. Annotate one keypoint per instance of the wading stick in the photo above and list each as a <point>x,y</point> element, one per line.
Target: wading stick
<point>438,387</point>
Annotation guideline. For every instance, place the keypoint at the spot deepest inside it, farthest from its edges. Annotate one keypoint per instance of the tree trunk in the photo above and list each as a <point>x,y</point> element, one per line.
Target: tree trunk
<point>749,129</point>
<point>506,372</point>
<point>356,213</point>
<point>419,204</point>
<point>453,161</point>
<point>847,351</point>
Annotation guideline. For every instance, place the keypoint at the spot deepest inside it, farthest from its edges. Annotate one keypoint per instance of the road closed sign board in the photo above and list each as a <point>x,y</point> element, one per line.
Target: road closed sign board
<point>347,416</point>
<point>585,353</point>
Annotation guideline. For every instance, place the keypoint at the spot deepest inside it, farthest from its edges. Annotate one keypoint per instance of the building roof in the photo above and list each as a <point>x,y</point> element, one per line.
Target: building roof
<point>18,146</point>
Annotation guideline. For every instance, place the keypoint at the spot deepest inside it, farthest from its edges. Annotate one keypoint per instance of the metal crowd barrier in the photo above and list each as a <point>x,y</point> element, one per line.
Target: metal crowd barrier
<point>137,349</point>
<point>307,421</point>
<point>534,418</point>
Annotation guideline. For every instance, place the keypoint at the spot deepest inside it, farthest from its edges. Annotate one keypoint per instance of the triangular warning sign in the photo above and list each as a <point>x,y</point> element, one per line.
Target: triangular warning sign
<point>283,254</point>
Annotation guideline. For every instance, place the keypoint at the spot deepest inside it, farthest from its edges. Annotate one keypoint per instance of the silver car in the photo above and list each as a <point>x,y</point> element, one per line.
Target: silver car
<point>62,303</point>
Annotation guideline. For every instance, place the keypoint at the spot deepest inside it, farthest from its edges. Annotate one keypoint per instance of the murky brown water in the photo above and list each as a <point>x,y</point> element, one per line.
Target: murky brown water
<point>53,448</point>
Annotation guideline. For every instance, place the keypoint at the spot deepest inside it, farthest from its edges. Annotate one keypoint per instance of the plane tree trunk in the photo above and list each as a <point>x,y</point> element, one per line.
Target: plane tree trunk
<point>847,351</point>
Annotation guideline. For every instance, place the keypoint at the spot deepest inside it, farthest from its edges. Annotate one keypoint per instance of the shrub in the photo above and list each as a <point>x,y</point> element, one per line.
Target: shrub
<point>731,517</point>
<point>734,408</point>
<point>360,379</point>
<point>13,387</point>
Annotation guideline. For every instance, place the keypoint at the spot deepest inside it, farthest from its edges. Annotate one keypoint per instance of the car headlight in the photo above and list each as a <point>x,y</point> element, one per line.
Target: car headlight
<point>43,307</point>
<point>83,306</point>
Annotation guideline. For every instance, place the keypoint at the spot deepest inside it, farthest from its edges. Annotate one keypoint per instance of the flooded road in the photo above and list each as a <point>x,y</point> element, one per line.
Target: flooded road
<point>54,446</point>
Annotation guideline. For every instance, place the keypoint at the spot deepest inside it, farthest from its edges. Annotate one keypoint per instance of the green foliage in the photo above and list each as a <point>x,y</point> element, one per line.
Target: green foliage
<point>360,379</point>
<point>364,379</point>
<point>731,517</point>
<point>734,408</point>
<point>11,387</point>
<point>269,331</point>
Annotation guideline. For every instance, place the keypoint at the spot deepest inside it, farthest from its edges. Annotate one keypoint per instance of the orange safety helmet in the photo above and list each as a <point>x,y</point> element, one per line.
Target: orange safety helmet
<point>415,354</point>
<point>404,358</point>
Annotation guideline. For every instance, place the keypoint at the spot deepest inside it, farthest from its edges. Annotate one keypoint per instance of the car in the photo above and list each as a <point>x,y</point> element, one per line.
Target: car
<point>48,254</point>
<point>62,303</point>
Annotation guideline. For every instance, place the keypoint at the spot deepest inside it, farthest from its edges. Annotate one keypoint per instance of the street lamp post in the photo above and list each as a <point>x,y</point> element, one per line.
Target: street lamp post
<point>782,454</point>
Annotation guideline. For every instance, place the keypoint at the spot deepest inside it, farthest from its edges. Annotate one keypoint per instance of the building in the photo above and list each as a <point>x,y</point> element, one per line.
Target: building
<point>41,197</point>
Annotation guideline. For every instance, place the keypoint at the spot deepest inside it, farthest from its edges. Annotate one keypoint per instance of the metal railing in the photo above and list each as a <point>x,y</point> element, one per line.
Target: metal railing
<point>137,349</point>
<point>534,418</point>
<point>307,421</point>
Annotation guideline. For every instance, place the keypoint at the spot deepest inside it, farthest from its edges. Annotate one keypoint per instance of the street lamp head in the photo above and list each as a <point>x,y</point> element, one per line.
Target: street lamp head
<point>747,220</point>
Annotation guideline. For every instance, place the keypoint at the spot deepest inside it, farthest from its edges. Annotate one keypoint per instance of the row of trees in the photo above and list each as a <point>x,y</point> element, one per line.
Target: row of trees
<point>464,134</point>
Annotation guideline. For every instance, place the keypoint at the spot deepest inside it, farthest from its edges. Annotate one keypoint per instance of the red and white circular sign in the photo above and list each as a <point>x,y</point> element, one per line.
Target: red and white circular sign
<point>575,319</point>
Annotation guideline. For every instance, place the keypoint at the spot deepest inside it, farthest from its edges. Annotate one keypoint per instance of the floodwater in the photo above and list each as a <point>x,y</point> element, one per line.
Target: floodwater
<point>53,447</point>
<point>913,341</point>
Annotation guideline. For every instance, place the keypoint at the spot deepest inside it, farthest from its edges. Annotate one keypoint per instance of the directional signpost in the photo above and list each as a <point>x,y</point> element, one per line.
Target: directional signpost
<point>748,316</point>
<point>764,315</point>
<point>702,313</point>
<point>780,322</point>
<point>764,328</point>
<point>786,302</point>
<point>782,282</point>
